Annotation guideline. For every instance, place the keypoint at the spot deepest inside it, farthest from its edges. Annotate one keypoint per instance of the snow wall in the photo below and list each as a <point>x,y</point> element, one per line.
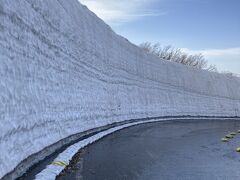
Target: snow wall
<point>64,71</point>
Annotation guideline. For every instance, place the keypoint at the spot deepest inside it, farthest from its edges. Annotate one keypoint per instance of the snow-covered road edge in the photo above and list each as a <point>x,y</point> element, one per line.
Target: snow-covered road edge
<point>51,171</point>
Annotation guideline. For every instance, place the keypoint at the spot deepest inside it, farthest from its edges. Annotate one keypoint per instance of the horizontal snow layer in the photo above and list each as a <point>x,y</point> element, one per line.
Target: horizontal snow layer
<point>64,71</point>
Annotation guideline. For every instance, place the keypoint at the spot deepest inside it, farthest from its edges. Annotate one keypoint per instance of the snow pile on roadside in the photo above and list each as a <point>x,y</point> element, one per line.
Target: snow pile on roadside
<point>64,71</point>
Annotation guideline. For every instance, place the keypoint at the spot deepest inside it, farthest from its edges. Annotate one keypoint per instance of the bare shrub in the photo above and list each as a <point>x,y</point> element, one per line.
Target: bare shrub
<point>177,55</point>
<point>229,74</point>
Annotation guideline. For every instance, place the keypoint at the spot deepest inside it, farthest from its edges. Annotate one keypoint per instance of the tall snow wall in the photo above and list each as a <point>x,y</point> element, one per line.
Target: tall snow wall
<point>64,71</point>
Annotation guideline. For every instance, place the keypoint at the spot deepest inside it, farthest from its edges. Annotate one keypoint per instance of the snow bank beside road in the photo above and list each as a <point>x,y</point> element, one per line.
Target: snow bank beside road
<point>63,71</point>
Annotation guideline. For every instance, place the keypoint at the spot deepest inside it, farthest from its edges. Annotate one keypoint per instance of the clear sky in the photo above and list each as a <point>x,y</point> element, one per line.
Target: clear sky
<point>211,27</point>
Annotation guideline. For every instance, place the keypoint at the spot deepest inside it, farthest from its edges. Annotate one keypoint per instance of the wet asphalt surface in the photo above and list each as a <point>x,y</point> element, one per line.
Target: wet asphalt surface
<point>173,150</point>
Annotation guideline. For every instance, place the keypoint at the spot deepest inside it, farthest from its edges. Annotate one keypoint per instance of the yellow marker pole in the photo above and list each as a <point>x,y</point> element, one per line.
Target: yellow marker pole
<point>59,163</point>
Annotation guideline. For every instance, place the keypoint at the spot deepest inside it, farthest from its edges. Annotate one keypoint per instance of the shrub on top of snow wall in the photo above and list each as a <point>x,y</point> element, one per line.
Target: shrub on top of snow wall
<point>64,71</point>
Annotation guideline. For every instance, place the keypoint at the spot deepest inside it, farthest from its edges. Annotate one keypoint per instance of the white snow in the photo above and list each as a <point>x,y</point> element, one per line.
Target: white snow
<point>64,71</point>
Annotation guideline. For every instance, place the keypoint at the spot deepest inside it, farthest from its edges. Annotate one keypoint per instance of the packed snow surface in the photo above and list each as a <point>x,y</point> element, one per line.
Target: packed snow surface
<point>64,71</point>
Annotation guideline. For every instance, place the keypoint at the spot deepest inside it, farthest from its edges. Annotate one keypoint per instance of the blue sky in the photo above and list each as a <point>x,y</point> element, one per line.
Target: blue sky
<point>211,27</point>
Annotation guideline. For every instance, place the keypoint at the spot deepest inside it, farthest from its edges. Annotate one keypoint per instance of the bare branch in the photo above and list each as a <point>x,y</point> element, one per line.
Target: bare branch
<point>177,55</point>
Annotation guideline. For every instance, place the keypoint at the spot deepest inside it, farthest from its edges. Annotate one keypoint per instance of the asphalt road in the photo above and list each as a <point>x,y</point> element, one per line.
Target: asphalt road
<point>177,150</point>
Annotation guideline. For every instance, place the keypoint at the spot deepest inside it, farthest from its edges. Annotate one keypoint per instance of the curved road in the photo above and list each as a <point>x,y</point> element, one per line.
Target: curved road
<point>173,150</point>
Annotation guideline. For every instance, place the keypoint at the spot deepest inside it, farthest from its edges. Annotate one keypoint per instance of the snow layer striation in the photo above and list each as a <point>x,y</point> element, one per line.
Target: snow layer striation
<point>64,71</point>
